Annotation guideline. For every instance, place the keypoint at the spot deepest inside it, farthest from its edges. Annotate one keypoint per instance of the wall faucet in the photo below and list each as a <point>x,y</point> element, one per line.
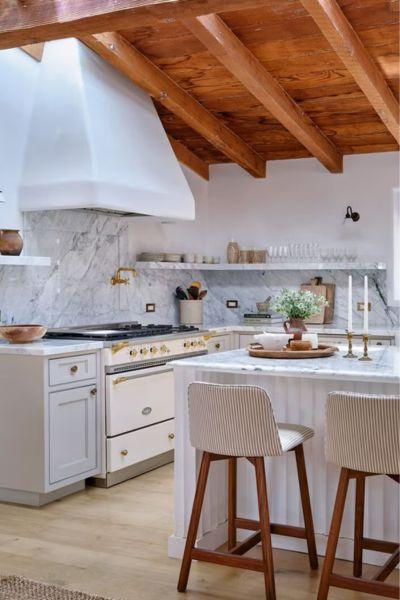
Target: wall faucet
<point>118,280</point>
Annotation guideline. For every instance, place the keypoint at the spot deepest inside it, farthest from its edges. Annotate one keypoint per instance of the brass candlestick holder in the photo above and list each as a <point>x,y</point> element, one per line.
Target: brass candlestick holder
<point>365,355</point>
<point>350,346</point>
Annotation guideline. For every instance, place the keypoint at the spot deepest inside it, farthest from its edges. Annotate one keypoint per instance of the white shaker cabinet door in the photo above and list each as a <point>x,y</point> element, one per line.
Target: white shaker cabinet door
<point>72,422</point>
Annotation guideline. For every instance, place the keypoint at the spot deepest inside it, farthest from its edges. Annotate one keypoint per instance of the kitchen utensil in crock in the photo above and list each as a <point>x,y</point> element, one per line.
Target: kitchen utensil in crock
<point>181,294</point>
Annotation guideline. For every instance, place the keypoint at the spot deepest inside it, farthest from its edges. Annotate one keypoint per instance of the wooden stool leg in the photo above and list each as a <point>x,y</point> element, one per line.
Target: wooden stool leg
<point>306,504</point>
<point>359,526</point>
<point>194,522</point>
<point>333,534</point>
<point>265,527</point>
<point>232,499</point>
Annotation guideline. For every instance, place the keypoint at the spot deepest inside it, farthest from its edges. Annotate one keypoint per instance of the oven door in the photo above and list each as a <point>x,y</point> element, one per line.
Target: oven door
<point>136,399</point>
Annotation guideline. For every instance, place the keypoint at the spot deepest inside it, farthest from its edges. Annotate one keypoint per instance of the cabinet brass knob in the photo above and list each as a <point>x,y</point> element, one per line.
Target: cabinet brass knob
<point>93,392</point>
<point>218,345</point>
<point>171,436</point>
<point>74,369</point>
<point>124,452</point>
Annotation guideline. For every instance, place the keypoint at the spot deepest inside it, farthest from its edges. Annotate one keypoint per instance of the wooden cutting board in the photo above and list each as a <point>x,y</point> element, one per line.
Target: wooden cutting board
<point>318,290</point>
<point>327,290</point>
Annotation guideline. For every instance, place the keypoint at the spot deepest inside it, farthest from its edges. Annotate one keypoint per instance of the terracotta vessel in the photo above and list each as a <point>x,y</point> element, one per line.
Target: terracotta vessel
<point>11,242</point>
<point>22,334</point>
<point>295,327</point>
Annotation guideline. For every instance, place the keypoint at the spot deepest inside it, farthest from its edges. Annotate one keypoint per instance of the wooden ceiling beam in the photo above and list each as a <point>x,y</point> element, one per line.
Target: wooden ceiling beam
<point>189,158</point>
<point>220,40</point>
<point>334,25</point>
<point>117,51</point>
<point>34,50</point>
<point>31,21</point>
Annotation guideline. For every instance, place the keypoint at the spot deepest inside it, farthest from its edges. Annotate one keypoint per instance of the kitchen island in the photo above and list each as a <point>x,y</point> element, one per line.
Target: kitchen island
<point>298,390</point>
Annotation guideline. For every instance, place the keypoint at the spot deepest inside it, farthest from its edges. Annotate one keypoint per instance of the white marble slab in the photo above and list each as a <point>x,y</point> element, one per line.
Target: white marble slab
<point>321,329</point>
<point>385,366</point>
<point>49,347</point>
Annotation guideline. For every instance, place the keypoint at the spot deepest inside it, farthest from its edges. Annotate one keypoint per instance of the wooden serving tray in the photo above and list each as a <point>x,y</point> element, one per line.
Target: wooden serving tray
<point>323,350</point>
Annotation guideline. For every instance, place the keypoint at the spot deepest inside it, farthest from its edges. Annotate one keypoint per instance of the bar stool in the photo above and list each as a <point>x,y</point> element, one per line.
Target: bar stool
<point>362,437</point>
<point>231,421</point>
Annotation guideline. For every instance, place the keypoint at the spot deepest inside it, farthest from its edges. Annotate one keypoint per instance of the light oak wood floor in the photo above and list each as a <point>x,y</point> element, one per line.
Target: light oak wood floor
<point>114,543</point>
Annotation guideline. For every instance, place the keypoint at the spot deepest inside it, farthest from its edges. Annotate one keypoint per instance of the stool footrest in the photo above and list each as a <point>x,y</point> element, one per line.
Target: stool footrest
<point>223,558</point>
<point>277,528</point>
<point>379,545</point>
<point>364,585</point>
<point>247,544</point>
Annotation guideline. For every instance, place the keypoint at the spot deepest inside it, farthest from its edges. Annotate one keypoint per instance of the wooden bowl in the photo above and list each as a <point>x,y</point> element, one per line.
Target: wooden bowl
<point>22,334</point>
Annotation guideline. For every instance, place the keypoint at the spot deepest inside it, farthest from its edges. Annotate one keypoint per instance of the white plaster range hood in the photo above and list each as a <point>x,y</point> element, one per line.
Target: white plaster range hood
<point>95,141</point>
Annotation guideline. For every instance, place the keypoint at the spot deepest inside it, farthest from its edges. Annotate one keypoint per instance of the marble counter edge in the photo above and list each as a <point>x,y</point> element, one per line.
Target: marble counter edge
<point>323,330</point>
<point>379,370</point>
<point>49,347</point>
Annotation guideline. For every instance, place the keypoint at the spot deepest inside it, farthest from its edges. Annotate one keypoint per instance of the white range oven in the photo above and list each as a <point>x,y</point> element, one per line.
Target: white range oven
<point>138,394</point>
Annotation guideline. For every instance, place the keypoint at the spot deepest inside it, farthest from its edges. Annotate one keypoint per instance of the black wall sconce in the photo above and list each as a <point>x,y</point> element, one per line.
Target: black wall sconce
<point>351,216</point>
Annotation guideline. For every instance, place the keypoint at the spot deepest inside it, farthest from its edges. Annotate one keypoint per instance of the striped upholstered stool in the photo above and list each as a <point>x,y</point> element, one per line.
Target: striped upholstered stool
<point>228,422</point>
<point>362,437</point>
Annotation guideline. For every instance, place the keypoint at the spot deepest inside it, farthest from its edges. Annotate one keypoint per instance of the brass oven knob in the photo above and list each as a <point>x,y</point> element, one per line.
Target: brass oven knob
<point>124,452</point>
<point>133,353</point>
<point>164,349</point>
<point>186,345</point>
<point>193,344</point>
<point>153,350</point>
<point>143,351</point>
<point>74,369</point>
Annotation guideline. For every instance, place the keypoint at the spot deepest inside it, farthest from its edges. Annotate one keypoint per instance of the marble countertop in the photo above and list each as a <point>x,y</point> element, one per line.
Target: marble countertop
<point>384,368</point>
<point>325,329</point>
<point>49,347</point>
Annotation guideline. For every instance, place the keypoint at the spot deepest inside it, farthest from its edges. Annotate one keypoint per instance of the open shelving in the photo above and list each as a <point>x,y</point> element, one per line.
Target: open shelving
<point>329,266</point>
<point>25,261</point>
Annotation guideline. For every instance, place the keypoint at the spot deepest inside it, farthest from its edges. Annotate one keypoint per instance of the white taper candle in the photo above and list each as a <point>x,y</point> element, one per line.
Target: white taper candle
<point>366,304</point>
<point>350,305</point>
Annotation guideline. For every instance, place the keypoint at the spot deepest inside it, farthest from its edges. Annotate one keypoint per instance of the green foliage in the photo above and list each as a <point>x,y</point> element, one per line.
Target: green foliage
<point>298,305</point>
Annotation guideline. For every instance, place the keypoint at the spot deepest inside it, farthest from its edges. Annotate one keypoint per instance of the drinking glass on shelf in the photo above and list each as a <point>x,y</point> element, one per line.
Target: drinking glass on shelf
<point>271,252</point>
<point>324,253</point>
<point>351,254</point>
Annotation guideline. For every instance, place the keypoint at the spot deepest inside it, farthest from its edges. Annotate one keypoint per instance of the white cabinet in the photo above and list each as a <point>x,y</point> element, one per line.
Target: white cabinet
<point>219,343</point>
<point>51,425</point>
<point>72,369</point>
<point>72,432</point>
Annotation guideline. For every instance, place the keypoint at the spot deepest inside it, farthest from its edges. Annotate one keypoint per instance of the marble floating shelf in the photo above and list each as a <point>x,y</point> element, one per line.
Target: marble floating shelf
<point>25,261</point>
<point>355,266</point>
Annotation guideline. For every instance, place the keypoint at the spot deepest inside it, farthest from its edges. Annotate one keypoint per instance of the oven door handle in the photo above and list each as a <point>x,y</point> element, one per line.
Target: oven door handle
<point>142,373</point>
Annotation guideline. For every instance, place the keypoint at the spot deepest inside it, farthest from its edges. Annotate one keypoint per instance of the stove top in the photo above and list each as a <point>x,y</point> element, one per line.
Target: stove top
<point>117,331</point>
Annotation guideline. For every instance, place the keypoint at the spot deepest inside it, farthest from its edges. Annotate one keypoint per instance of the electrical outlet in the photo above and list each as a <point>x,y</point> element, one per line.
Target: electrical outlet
<point>150,307</point>
<point>360,306</point>
<point>232,304</point>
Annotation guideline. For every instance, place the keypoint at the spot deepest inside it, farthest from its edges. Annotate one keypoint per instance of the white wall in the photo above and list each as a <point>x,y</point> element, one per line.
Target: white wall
<point>300,201</point>
<point>16,99</point>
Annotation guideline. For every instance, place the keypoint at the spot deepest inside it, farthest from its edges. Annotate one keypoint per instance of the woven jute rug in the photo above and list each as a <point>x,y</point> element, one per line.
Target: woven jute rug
<point>19,588</point>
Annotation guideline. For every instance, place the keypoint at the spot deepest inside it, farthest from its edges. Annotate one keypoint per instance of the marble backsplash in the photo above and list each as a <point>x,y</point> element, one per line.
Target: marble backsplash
<point>87,247</point>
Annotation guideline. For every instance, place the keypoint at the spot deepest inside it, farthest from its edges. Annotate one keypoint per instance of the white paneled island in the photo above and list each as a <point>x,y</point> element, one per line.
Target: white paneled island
<point>298,390</point>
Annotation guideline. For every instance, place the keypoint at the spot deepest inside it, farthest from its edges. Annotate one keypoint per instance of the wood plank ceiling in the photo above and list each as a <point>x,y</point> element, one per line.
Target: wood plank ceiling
<point>266,80</point>
<point>289,44</point>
